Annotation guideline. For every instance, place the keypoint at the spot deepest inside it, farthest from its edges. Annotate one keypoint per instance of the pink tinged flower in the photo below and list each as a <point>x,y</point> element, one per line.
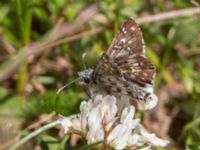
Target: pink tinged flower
<point>66,123</point>
<point>114,118</point>
<point>95,132</point>
<point>133,140</point>
<point>76,123</point>
<point>85,109</point>
<point>127,115</point>
<point>135,123</point>
<point>95,118</point>
<point>95,136</point>
<point>153,139</point>
<point>118,137</point>
<point>108,109</point>
<point>109,126</point>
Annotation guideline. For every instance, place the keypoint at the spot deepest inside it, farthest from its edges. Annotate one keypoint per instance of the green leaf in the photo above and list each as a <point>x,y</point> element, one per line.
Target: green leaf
<point>91,146</point>
<point>66,103</point>
<point>10,101</point>
<point>187,31</point>
<point>193,147</point>
<point>49,143</point>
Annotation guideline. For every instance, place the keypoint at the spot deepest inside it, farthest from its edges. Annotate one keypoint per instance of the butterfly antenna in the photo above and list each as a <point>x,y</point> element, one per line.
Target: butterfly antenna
<point>66,85</point>
<point>83,60</point>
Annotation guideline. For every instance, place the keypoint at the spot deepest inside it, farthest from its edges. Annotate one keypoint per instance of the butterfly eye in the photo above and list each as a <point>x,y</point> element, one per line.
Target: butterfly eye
<point>87,80</point>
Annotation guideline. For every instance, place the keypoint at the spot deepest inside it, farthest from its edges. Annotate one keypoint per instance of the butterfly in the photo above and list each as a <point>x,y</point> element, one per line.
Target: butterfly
<point>123,69</point>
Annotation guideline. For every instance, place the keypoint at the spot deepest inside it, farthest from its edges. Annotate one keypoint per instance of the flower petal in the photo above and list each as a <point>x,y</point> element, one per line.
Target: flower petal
<point>118,138</point>
<point>94,136</point>
<point>95,118</point>
<point>108,108</point>
<point>155,141</point>
<point>110,124</point>
<point>85,109</point>
<point>127,115</point>
<point>133,140</point>
<point>65,123</point>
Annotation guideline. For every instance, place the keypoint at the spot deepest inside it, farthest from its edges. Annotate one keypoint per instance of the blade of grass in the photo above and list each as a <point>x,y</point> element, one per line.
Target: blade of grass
<point>25,18</point>
<point>33,134</point>
<point>27,22</point>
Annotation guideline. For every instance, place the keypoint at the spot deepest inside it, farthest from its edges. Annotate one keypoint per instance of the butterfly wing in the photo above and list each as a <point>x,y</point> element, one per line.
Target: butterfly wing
<point>128,41</point>
<point>109,78</point>
<point>124,67</point>
<point>128,52</point>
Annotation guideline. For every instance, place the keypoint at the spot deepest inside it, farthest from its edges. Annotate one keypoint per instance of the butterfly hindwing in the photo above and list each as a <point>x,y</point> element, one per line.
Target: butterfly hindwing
<point>138,69</point>
<point>108,76</point>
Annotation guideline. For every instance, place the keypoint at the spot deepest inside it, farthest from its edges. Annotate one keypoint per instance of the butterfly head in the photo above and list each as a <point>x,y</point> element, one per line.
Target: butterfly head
<point>85,76</point>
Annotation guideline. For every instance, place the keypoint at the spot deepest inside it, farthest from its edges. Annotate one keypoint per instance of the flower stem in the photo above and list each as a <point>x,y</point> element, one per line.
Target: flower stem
<point>33,134</point>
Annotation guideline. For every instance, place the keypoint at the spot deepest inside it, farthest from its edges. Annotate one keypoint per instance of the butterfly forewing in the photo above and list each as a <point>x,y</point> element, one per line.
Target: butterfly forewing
<point>128,41</point>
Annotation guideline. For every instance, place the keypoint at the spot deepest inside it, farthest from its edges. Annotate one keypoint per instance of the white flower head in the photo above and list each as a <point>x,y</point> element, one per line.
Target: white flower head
<point>108,119</point>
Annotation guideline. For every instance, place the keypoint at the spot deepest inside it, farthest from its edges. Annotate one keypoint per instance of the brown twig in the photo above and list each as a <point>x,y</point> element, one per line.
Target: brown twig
<point>44,119</point>
<point>195,3</point>
<point>169,15</point>
<point>74,37</point>
<point>143,20</point>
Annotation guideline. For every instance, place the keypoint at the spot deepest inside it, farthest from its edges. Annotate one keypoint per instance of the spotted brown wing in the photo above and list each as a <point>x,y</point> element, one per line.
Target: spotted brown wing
<point>108,77</point>
<point>128,41</point>
<point>127,54</point>
<point>124,69</point>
